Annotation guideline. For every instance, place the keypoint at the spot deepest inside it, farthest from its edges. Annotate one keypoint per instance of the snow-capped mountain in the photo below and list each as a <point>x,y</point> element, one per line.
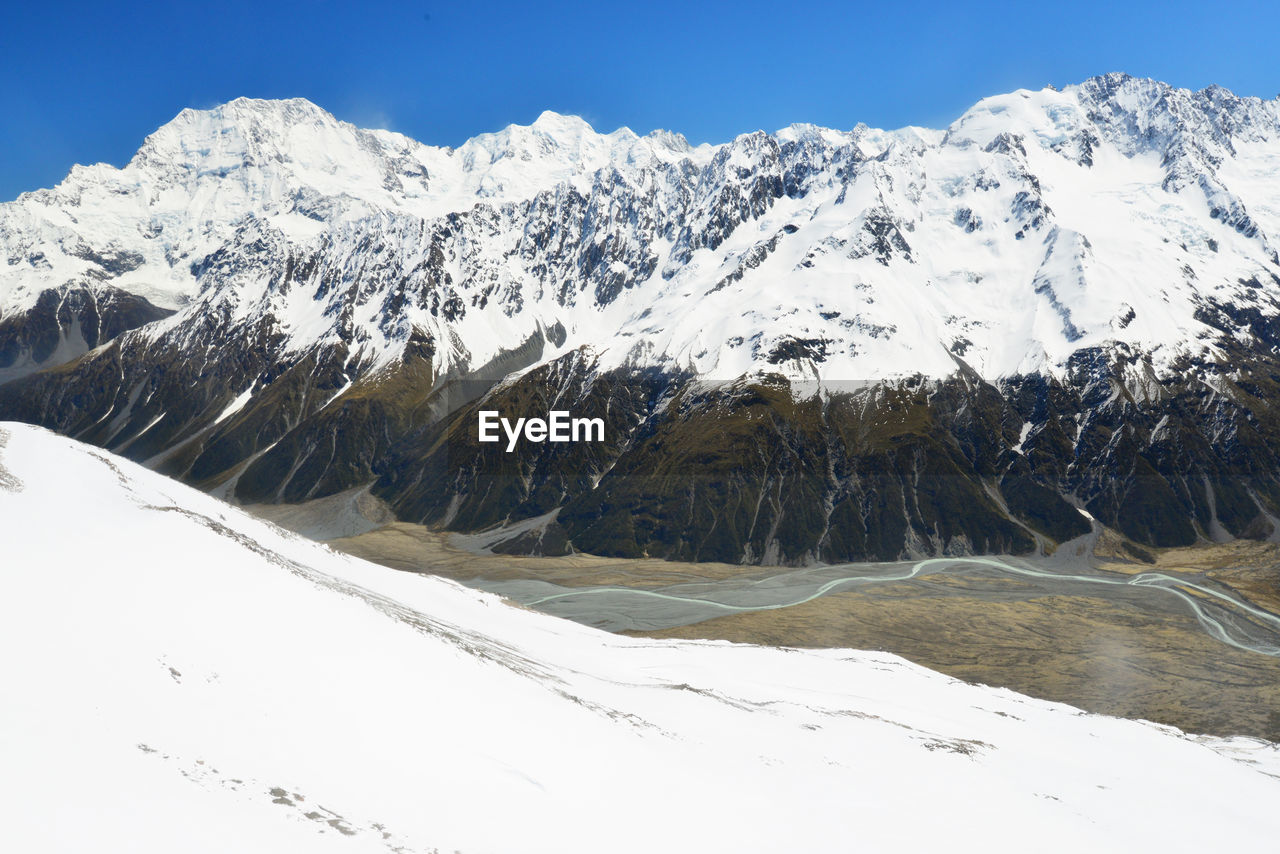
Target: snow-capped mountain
<point>294,171</point>
<point>1031,228</point>
<point>181,676</point>
<point>1057,268</point>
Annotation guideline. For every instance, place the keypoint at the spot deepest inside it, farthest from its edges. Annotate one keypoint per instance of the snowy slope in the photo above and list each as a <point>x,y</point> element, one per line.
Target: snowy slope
<point>179,676</point>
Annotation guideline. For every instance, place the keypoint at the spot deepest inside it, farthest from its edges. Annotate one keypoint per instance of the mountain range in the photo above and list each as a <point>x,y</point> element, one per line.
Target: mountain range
<point>811,345</point>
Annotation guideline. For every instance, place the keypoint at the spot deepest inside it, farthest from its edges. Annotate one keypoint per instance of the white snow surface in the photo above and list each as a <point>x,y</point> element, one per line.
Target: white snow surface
<point>178,676</point>
<point>1037,224</point>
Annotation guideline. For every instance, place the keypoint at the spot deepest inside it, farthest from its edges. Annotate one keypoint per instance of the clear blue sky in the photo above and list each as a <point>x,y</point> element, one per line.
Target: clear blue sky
<point>83,83</point>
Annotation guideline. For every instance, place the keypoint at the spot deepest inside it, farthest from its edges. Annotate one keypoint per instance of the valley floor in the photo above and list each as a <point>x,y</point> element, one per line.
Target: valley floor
<point>1074,632</point>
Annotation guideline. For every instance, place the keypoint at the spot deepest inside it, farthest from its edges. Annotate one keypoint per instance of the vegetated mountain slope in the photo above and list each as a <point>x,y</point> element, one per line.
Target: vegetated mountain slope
<point>184,677</point>
<point>815,344</point>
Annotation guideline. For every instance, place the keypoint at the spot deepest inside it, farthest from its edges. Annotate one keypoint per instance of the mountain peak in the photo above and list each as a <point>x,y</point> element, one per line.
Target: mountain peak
<point>551,121</point>
<point>245,127</point>
<point>278,113</point>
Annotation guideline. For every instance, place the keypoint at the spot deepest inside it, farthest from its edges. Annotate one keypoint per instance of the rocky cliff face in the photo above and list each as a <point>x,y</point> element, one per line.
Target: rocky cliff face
<point>810,345</point>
